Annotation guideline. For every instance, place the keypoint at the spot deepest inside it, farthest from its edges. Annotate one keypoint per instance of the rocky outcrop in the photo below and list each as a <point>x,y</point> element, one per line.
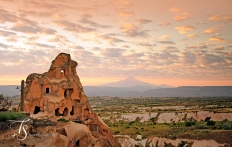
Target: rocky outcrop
<point>57,94</point>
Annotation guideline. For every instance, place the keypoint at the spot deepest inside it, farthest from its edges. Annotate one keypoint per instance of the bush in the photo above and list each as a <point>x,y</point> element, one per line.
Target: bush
<point>63,120</point>
<point>188,124</point>
<point>201,127</point>
<point>210,123</point>
<point>4,116</point>
<point>127,127</point>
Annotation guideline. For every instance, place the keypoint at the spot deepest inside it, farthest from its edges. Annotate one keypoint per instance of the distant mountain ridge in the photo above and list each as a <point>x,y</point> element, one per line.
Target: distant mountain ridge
<point>131,87</point>
<point>132,82</point>
<point>207,91</point>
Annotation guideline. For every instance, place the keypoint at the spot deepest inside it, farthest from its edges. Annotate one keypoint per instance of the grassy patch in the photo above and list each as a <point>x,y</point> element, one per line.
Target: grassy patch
<point>63,120</point>
<point>4,116</point>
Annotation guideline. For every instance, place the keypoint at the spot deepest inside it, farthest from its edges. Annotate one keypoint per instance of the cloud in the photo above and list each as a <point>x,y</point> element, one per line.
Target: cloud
<point>222,18</point>
<point>217,39</point>
<point>200,22</point>
<point>110,39</point>
<point>219,48</point>
<point>197,47</point>
<point>170,49</point>
<point>211,59</point>
<point>123,2</point>
<point>124,13</point>
<point>93,24</point>
<point>165,37</point>
<point>86,15</point>
<point>191,36</point>
<point>58,38</point>
<point>7,33</point>
<point>184,29</point>
<point>96,48</point>
<point>143,21</point>
<point>3,45</point>
<point>44,45</point>
<point>79,47</point>
<point>180,17</point>
<point>146,44</point>
<point>163,58</point>
<point>133,31</point>
<point>6,16</point>
<point>179,14</point>
<point>112,52</point>
<point>22,24</point>
<point>166,42</point>
<point>73,27</point>
<point>32,29</point>
<point>24,13</point>
<point>164,23</point>
<point>188,58</point>
<point>212,30</point>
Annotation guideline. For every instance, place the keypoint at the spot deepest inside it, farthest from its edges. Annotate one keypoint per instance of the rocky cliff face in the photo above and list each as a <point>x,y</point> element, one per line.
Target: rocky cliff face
<point>58,93</point>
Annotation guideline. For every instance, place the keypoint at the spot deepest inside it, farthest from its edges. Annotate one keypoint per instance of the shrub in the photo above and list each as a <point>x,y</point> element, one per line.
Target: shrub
<point>127,127</point>
<point>201,127</point>
<point>4,116</point>
<point>211,123</point>
<point>63,120</point>
<point>188,124</point>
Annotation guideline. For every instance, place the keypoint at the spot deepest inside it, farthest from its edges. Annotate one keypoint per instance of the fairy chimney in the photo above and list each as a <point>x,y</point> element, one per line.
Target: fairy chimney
<point>58,93</point>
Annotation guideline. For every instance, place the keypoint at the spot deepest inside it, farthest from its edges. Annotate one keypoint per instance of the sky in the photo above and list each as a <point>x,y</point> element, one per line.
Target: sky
<point>173,42</point>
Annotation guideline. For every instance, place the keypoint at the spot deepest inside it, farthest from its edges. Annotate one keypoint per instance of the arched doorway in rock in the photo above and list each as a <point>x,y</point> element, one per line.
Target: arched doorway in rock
<point>65,112</point>
<point>68,92</point>
<point>62,72</point>
<point>37,109</point>
<point>72,112</point>
<point>57,112</point>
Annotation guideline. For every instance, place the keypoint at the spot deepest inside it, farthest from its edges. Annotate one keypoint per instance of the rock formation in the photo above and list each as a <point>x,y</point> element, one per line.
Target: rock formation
<point>58,93</point>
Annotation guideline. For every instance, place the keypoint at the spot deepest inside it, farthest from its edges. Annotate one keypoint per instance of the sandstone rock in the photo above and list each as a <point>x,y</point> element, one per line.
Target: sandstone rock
<point>57,94</point>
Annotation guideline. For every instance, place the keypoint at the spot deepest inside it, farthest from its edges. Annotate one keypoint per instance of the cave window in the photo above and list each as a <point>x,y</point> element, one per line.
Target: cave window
<point>57,112</point>
<point>72,112</point>
<point>77,143</point>
<point>68,92</point>
<point>65,113</point>
<point>47,90</point>
<point>37,109</point>
<point>95,127</point>
<point>77,101</point>
<point>62,72</point>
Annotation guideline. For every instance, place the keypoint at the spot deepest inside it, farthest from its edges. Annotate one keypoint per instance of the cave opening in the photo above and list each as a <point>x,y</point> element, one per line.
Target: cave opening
<point>57,112</point>
<point>72,112</point>
<point>47,90</point>
<point>68,92</point>
<point>77,143</point>
<point>62,72</point>
<point>37,109</point>
<point>65,113</point>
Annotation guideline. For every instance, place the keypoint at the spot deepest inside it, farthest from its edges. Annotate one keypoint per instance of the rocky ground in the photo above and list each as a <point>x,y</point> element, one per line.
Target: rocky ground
<point>220,137</point>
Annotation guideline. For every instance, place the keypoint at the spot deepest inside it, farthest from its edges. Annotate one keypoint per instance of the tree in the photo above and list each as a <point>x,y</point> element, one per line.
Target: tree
<point>210,123</point>
<point>188,124</point>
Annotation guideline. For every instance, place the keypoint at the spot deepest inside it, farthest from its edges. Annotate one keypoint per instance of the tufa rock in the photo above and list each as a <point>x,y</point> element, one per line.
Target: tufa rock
<point>58,93</point>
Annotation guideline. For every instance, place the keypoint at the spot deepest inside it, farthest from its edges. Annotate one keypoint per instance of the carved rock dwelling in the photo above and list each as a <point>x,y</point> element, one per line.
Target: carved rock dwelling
<point>58,93</point>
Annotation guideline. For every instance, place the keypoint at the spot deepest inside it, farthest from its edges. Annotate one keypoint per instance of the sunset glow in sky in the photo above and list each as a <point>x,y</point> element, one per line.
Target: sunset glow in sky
<point>173,42</point>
